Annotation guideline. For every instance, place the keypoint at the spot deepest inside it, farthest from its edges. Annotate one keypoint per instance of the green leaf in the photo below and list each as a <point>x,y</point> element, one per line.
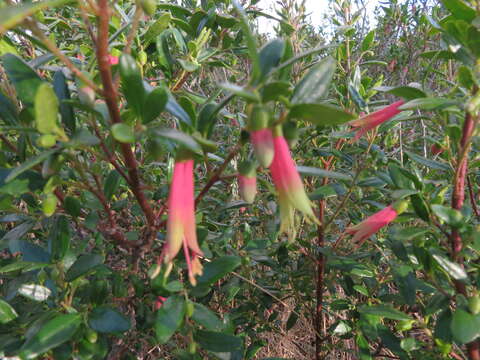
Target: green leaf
<point>169,318</point>
<point>427,162</point>
<point>453,269</point>
<point>7,312</point>
<point>59,238</point>
<point>251,42</point>
<point>105,319</point>
<point>83,265</point>
<point>22,265</point>
<point>273,90</point>
<point>72,206</point>
<point>368,41</point>
<point>112,182</point>
<point>154,104</point>
<point>123,133</point>
<point>34,292</point>
<point>215,270</point>
<point>320,114</point>
<point>66,110</point>
<point>241,92</point>
<point>8,112</point>
<point>180,138</point>
<point>12,15</point>
<point>315,83</point>
<point>217,341</point>
<point>31,162</point>
<point>384,311</point>
<point>465,326</point>
<point>132,83</point>
<point>52,334</point>
<point>312,171</point>
<point>407,92</point>
<point>22,76</point>
<point>270,56</point>
<point>460,9</point>
<point>156,28</point>
<point>451,216</point>
<point>206,317</point>
<point>16,233</point>
<point>46,110</point>
<point>420,207</point>
<point>176,110</point>
<point>427,103</point>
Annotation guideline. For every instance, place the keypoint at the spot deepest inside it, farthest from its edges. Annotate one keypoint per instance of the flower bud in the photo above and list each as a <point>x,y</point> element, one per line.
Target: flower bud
<point>247,181</point>
<point>260,135</point>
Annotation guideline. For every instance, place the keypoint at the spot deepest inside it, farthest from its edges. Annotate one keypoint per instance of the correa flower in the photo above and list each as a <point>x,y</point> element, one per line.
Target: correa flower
<point>260,134</point>
<point>375,222</point>
<point>288,183</point>
<point>262,141</point>
<point>371,121</point>
<point>247,181</point>
<point>181,230</point>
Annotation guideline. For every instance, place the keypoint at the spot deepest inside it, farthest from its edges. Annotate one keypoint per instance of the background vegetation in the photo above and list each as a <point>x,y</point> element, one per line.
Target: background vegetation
<point>98,97</point>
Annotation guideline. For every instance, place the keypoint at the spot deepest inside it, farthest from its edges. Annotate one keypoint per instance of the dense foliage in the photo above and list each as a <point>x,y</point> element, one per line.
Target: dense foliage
<point>151,204</point>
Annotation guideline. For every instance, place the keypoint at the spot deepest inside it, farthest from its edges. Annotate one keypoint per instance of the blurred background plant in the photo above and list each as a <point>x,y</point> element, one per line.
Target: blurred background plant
<point>98,99</point>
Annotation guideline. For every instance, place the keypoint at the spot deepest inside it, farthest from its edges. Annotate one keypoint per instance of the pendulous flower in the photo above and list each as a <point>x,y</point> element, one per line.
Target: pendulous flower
<point>375,222</point>
<point>247,181</point>
<point>291,194</point>
<point>181,229</point>
<point>260,134</point>
<point>371,121</point>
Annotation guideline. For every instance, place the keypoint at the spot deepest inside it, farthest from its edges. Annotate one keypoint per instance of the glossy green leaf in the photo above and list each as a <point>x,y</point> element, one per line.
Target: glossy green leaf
<point>206,318</point>
<point>384,311</point>
<point>105,319</point>
<point>460,9</point>
<point>465,327</point>
<point>270,55</point>
<point>217,341</point>
<point>112,182</point>
<point>368,40</point>
<point>157,27</point>
<point>320,114</point>
<point>169,318</point>
<point>428,103</point>
<point>83,265</point>
<point>132,83</point>
<point>312,171</point>
<point>180,138</point>
<point>22,76</point>
<point>433,164</point>
<point>314,85</point>
<point>34,292</point>
<point>52,334</point>
<point>8,112</point>
<point>154,104</point>
<point>451,216</point>
<point>176,110</point>
<point>31,162</point>
<point>453,269</point>
<point>7,312</point>
<point>407,92</point>
<point>123,133</point>
<point>46,110</point>
<point>59,241</point>
<point>244,93</point>
<point>63,93</point>
<point>215,270</point>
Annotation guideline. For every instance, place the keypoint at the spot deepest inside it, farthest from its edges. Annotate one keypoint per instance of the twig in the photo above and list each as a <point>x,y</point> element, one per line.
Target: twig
<point>110,95</point>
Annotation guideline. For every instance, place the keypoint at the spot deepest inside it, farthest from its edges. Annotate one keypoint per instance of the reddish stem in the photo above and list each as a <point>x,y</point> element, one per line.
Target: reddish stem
<point>111,100</point>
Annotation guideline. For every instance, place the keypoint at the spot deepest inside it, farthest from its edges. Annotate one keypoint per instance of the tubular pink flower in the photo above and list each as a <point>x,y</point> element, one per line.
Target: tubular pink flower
<point>262,141</point>
<point>371,121</point>
<point>375,222</point>
<point>247,186</point>
<point>289,185</point>
<point>181,228</point>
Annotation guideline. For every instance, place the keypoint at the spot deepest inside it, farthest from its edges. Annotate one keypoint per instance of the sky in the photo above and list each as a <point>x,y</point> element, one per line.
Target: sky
<point>317,8</point>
